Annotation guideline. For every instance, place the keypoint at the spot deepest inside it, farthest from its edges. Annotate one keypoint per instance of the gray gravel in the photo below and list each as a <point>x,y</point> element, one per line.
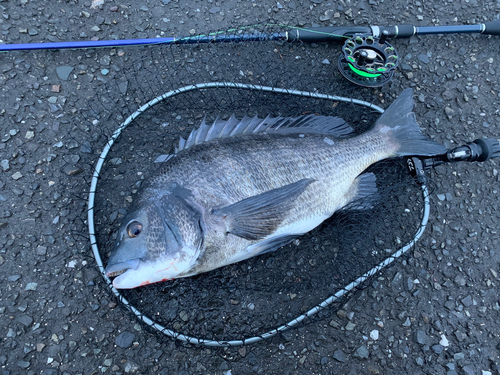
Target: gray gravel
<point>436,312</point>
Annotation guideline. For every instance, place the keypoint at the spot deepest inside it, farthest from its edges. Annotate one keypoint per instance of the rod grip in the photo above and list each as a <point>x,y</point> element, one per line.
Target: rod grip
<point>492,28</point>
<point>325,34</point>
<point>405,31</point>
<point>490,148</point>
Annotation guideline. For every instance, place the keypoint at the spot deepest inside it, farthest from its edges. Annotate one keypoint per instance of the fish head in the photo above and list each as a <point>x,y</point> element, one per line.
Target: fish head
<point>156,242</point>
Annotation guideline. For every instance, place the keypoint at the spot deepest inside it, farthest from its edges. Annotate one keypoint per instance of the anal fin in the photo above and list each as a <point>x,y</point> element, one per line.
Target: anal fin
<point>263,247</point>
<point>271,244</point>
<point>364,192</point>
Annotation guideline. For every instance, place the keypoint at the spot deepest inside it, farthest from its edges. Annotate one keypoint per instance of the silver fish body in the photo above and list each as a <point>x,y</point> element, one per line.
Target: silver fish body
<point>233,191</point>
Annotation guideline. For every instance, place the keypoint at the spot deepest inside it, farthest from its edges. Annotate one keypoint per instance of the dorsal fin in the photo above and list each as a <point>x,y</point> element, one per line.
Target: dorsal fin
<point>309,124</point>
<point>334,126</point>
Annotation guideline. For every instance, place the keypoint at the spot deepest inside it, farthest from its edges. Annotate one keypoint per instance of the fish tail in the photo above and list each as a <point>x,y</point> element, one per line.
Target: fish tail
<point>399,122</point>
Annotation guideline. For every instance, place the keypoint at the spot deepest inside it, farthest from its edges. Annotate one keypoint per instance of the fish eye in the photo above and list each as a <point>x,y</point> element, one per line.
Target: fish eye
<point>134,229</point>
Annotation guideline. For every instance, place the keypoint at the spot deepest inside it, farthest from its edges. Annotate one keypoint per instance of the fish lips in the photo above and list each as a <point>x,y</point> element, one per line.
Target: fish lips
<point>118,269</point>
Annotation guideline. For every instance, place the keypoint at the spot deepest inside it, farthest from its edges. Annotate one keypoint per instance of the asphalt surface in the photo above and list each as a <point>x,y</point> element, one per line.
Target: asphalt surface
<point>435,312</point>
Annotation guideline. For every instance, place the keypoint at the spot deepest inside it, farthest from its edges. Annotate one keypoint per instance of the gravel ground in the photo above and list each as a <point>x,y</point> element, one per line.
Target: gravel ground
<point>434,313</point>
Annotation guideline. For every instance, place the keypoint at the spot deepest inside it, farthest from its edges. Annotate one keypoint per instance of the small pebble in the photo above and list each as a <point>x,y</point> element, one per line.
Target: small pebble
<point>125,339</point>
<point>31,286</point>
<point>396,281</point>
<point>131,368</point>
<point>460,280</point>
<point>328,14</point>
<point>63,72</point>
<point>350,326</point>
<point>23,364</point>
<point>424,58</point>
<point>420,337</point>
<point>362,352</point>
<point>16,176</point>
<point>444,341</point>
<point>339,355</point>
<point>458,356</point>
<point>25,320</point>
<point>467,301</point>
<point>438,349</point>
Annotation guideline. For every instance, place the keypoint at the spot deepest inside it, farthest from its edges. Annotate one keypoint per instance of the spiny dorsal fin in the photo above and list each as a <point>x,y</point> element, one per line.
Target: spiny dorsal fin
<point>271,125</point>
<point>309,124</point>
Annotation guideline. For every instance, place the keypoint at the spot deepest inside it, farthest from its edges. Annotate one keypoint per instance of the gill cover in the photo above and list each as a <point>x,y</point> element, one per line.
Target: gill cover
<point>160,239</point>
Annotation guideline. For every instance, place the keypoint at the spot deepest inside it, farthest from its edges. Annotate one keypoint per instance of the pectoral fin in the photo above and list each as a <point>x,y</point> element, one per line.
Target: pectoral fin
<point>259,216</point>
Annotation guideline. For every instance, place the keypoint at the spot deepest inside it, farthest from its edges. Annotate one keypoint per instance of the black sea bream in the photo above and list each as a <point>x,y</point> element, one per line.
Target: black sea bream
<point>238,189</point>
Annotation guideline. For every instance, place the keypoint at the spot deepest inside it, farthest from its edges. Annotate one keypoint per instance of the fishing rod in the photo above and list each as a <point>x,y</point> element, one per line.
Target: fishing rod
<point>308,35</point>
<point>367,58</point>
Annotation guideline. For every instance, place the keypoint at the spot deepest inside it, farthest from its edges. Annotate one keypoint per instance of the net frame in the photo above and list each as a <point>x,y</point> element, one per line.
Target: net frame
<point>292,323</point>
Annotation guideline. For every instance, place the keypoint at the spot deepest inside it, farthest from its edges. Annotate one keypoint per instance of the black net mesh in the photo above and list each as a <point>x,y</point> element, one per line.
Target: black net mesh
<point>251,297</point>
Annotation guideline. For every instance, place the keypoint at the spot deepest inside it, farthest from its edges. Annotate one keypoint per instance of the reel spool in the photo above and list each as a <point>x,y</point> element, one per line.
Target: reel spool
<point>368,61</point>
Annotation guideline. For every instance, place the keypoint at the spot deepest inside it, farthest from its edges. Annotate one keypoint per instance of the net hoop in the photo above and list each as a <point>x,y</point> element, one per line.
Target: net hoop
<point>251,340</point>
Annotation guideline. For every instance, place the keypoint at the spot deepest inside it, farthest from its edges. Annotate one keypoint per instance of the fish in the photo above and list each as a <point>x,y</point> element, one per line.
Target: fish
<point>241,188</point>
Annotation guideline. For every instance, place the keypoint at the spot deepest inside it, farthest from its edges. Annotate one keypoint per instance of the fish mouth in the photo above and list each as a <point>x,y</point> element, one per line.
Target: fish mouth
<point>117,269</point>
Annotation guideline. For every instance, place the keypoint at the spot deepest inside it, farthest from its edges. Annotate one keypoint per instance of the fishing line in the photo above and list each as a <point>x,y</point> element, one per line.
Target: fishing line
<point>316,309</point>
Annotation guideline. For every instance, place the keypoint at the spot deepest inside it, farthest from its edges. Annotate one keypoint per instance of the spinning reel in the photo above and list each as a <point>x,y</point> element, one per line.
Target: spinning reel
<point>368,61</point>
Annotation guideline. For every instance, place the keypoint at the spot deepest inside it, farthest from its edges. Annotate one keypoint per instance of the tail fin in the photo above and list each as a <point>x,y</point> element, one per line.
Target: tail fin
<point>400,120</point>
